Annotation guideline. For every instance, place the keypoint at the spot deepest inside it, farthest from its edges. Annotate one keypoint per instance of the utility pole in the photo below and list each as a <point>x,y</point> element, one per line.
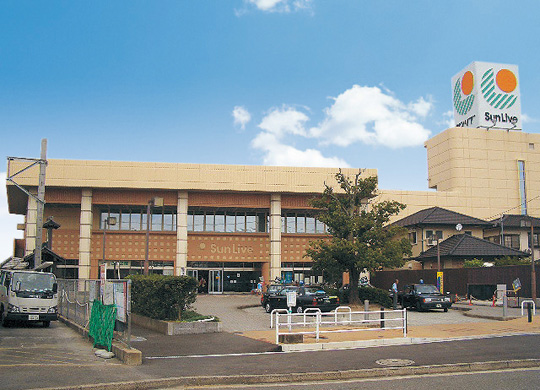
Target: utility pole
<point>40,203</point>
<point>533,270</point>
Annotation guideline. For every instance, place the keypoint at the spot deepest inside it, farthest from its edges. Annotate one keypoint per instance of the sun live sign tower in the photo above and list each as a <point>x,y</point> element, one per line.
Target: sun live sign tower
<point>487,95</point>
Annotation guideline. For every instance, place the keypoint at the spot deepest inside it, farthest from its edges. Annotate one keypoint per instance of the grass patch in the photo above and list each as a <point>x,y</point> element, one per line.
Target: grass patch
<point>193,316</point>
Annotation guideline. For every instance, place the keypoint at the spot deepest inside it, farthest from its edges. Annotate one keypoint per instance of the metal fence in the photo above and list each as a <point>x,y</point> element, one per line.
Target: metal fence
<point>75,298</point>
<point>338,321</point>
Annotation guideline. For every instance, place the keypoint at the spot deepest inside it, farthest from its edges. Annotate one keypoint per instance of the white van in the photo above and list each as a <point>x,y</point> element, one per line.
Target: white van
<point>28,296</point>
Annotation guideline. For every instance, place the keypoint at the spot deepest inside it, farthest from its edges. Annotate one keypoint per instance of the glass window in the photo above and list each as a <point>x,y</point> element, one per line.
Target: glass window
<point>190,221</point>
<point>291,223</point>
<point>168,222</point>
<point>135,221</point>
<point>320,227</point>
<point>198,221</point>
<point>251,223</point>
<point>219,222</point>
<point>104,215</point>
<point>283,224</point>
<point>412,237</point>
<point>240,222</point>
<point>125,220</point>
<point>157,222</point>
<point>230,223</point>
<point>310,225</point>
<point>300,223</point>
<point>209,222</point>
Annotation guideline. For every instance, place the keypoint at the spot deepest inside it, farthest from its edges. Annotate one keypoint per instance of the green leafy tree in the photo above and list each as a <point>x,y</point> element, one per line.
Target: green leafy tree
<point>473,263</point>
<point>511,260</point>
<point>360,238</point>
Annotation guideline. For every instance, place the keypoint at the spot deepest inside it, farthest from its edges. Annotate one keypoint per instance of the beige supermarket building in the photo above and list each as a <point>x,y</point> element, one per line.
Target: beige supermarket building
<point>232,225</point>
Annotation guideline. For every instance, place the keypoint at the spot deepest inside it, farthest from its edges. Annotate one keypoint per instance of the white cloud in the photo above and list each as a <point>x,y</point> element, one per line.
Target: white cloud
<point>241,116</point>
<point>527,119</point>
<point>285,120</point>
<point>278,5</point>
<point>371,116</point>
<point>8,223</point>
<point>277,153</point>
<point>448,119</point>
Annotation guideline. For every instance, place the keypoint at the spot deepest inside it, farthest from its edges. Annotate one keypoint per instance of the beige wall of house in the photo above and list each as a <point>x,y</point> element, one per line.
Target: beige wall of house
<point>470,171</point>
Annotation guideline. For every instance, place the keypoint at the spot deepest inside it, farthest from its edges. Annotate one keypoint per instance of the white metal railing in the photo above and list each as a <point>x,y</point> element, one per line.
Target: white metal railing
<point>330,322</point>
<point>528,301</point>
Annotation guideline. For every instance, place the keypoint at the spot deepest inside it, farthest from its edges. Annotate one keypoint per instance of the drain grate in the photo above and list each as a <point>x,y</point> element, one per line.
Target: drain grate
<point>395,362</point>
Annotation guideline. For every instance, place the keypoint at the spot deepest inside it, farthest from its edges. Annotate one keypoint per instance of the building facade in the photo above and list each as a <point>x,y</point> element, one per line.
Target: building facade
<point>232,225</point>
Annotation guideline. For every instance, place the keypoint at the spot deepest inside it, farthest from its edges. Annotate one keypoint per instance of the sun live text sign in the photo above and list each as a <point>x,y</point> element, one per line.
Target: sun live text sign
<point>487,95</point>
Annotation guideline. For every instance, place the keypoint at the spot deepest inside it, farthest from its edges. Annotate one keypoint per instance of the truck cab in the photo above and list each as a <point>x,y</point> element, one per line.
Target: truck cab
<point>28,296</point>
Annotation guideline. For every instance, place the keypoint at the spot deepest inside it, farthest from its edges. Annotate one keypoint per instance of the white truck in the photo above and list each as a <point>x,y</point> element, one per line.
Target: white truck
<point>28,296</point>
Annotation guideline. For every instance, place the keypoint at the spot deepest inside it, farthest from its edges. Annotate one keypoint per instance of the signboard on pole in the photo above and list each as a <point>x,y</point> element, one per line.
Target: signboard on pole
<point>440,282</point>
<point>291,299</point>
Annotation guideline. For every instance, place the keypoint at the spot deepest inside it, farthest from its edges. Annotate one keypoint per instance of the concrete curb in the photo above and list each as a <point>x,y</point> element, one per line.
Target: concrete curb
<point>128,356</point>
<point>311,376</point>
<point>171,328</point>
<point>388,342</point>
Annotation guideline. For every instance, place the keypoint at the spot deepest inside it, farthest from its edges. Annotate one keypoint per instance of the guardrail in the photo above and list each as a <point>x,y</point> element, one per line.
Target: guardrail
<point>355,321</point>
<point>75,297</point>
<point>528,301</point>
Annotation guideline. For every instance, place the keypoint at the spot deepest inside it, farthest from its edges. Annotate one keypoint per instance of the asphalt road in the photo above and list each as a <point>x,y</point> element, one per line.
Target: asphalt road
<point>34,357</point>
<point>507,379</point>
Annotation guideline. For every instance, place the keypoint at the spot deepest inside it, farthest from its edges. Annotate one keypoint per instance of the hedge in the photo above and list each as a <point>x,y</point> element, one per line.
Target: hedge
<point>373,294</point>
<point>162,297</point>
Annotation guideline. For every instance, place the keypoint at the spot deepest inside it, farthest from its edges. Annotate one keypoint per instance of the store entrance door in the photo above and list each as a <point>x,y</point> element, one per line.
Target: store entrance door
<point>215,281</point>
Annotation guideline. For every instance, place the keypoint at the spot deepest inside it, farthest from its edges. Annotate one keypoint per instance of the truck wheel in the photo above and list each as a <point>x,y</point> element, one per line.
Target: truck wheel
<point>418,306</point>
<point>300,309</point>
<point>268,308</point>
<point>46,324</point>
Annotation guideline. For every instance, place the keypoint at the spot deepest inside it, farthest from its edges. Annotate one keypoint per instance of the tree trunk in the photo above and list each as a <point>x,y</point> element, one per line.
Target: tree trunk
<point>354,299</point>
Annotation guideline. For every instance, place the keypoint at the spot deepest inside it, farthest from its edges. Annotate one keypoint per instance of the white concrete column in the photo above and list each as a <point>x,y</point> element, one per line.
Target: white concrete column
<point>180,265</point>
<point>30,226</point>
<point>275,236</point>
<point>85,235</point>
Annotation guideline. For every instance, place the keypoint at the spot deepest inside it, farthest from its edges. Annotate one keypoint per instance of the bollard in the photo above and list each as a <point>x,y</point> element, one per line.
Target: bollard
<point>529,312</point>
<point>382,317</point>
<point>366,309</point>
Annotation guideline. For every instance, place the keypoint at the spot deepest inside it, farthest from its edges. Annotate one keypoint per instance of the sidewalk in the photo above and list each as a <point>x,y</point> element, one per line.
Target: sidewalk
<point>512,324</point>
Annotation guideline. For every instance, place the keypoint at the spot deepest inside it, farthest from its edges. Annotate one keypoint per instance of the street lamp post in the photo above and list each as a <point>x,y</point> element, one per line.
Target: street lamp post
<point>107,222</point>
<point>154,202</point>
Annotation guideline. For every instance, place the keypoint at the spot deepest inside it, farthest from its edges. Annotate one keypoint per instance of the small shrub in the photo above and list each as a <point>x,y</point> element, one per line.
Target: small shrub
<point>374,295</point>
<point>162,297</point>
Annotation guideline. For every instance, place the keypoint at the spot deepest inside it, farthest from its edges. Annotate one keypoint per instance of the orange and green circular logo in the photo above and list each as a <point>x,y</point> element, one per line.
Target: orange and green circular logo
<point>463,96</point>
<point>499,89</point>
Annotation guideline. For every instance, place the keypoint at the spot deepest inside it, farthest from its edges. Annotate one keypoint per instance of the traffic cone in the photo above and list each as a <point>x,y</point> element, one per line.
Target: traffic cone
<point>470,303</point>
<point>493,303</point>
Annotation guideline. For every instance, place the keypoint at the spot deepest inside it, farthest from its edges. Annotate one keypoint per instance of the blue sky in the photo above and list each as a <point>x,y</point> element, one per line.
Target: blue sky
<point>279,82</point>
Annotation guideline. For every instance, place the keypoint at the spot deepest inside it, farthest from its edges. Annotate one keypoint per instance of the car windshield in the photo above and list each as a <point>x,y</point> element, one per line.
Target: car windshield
<point>427,289</point>
<point>288,289</point>
<point>32,281</point>
<point>314,290</point>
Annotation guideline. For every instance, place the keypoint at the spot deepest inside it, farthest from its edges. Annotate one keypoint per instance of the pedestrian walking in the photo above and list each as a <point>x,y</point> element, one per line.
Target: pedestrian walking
<point>394,294</point>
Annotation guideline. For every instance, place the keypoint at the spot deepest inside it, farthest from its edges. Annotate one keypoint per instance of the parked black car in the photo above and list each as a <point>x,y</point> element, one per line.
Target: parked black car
<point>271,290</point>
<point>307,297</point>
<point>424,297</point>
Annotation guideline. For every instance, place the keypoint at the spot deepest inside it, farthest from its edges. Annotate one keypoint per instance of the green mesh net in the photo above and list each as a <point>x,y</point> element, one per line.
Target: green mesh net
<point>101,326</point>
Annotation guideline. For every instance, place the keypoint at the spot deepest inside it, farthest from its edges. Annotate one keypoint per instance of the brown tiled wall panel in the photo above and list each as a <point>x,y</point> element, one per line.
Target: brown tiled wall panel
<point>68,217</point>
<point>228,247</point>
<point>132,246</point>
<point>63,195</point>
<point>208,199</point>
<point>132,198</point>
<point>293,248</point>
<point>66,243</point>
<point>296,201</point>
